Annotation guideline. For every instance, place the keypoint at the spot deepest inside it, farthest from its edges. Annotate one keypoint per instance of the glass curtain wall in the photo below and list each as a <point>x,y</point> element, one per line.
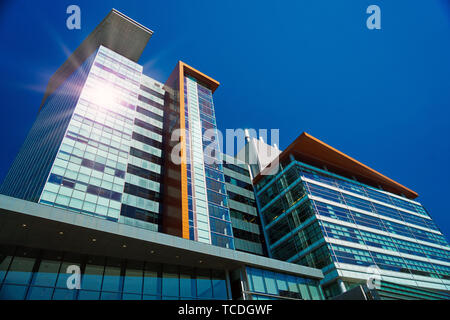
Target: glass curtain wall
<point>269,285</point>
<point>209,217</point>
<point>40,274</point>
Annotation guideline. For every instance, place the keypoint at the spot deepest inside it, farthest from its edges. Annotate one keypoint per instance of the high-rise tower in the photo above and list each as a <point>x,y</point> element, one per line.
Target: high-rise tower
<point>104,183</point>
<point>201,212</point>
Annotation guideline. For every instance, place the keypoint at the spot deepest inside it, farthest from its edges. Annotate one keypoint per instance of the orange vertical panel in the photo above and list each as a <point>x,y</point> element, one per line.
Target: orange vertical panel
<point>184,191</point>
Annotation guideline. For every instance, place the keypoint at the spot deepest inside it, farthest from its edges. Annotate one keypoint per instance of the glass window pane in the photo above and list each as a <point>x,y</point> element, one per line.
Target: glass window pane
<point>4,264</point>
<point>269,279</point>
<point>112,281</point>
<point>47,273</point>
<point>64,294</point>
<point>20,271</point>
<point>133,278</point>
<point>315,291</point>
<point>110,296</point>
<point>93,275</point>
<point>187,283</point>
<point>131,296</point>
<point>152,279</point>
<point>219,285</point>
<point>257,280</point>
<point>88,295</point>
<point>292,284</point>
<point>12,292</point>
<point>304,290</point>
<point>281,282</point>
<point>204,284</point>
<point>170,281</point>
<point>39,293</point>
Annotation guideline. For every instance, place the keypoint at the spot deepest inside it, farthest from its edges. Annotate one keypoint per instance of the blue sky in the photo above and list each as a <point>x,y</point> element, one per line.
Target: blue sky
<point>381,96</point>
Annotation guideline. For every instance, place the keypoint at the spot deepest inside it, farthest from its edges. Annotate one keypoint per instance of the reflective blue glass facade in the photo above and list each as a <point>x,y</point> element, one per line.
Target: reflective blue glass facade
<point>109,162</point>
<point>141,205</point>
<point>88,175</point>
<point>316,218</point>
<point>29,171</point>
<point>209,216</point>
<point>268,285</point>
<point>95,165</point>
<point>30,274</point>
<point>101,153</point>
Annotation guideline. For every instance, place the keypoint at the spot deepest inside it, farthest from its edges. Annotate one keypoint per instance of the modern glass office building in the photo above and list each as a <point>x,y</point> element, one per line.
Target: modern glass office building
<point>209,218</point>
<point>96,185</point>
<point>326,210</point>
<point>108,162</point>
<point>121,176</point>
<point>200,212</point>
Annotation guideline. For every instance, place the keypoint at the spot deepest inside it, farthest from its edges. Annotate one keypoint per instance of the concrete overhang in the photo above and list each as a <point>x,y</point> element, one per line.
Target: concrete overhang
<point>116,32</point>
<point>30,224</point>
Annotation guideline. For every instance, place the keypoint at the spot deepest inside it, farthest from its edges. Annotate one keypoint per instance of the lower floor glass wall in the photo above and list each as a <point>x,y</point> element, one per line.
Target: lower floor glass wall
<point>41,274</point>
<point>269,285</point>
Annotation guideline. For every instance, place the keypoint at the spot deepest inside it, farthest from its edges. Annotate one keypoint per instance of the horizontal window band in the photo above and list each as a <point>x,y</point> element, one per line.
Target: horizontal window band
<point>149,114</point>
<point>145,156</point>
<point>91,189</point>
<point>143,173</point>
<point>246,235</point>
<point>139,214</point>
<point>148,126</point>
<point>142,192</point>
<point>151,91</point>
<point>147,140</point>
<point>150,102</point>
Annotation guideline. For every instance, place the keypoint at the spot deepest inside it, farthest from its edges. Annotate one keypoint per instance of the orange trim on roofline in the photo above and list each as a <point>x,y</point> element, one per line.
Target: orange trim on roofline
<point>312,150</point>
<point>212,84</point>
